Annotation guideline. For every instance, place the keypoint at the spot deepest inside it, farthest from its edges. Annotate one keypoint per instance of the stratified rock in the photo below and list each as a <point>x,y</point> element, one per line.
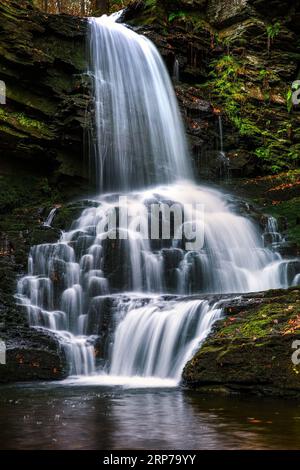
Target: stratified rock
<point>43,64</point>
<point>224,12</point>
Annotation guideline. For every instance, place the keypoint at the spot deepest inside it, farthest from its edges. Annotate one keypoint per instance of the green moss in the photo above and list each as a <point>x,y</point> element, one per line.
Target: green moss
<point>31,100</point>
<point>65,216</point>
<point>273,31</point>
<point>59,81</point>
<point>22,192</point>
<point>22,125</point>
<point>269,319</point>
<point>258,325</point>
<point>227,84</point>
<point>193,22</point>
<point>69,51</point>
<point>271,131</point>
<point>152,13</point>
<point>10,131</point>
<point>291,211</point>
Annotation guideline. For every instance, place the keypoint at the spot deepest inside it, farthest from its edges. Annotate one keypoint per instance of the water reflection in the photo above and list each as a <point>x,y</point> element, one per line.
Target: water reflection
<point>65,417</point>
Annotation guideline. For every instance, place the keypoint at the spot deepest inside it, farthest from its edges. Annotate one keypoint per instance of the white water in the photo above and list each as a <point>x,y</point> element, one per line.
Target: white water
<point>176,71</point>
<point>223,159</point>
<point>106,296</point>
<point>50,217</point>
<point>139,133</point>
<point>159,339</point>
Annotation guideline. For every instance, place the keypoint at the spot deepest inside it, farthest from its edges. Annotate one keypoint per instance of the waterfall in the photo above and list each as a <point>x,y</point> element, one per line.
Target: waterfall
<point>50,217</point>
<point>115,296</point>
<point>223,159</point>
<point>139,134</point>
<point>176,71</point>
<point>272,236</point>
<point>159,338</point>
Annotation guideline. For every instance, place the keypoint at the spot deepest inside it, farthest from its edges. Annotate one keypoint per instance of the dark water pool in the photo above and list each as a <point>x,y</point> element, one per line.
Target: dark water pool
<point>47,416</point>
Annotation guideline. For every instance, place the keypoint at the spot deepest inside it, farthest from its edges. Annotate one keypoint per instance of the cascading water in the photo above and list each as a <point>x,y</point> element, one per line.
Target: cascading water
<point>159,338</point>
<point>50,217</point>
<point>176,71</point>
<point>139,135</point>
<point>122,297</point>
<point>223,159</point>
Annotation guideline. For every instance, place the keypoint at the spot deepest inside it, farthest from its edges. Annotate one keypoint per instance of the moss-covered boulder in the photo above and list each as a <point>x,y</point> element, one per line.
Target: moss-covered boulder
<point>251,349</point>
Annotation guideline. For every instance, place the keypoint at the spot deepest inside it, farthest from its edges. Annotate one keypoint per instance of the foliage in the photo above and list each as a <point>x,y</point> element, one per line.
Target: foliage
<point>20,191</point>
<point>228,85</point>
<point>175,15</point>
<point>150,3</point>
<point>290,210</point>
<point>289,100</point>
<point>272,31</point>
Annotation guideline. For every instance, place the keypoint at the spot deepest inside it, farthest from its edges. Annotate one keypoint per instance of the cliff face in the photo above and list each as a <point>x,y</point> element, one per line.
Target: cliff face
<point>42,62</point>
<point>42,125</point>
<point>236,59</point>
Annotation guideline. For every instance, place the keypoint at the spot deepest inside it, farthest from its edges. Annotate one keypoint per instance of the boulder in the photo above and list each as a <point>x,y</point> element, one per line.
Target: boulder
<point>250,349</point>
<point>32,354</point>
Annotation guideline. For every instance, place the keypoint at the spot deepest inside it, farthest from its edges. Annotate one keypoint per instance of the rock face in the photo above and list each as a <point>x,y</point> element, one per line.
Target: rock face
<point>240,57</point>
<point>251,349</point>
<point>226,12</point>
<point>42,125</point>
<point>42,62</point>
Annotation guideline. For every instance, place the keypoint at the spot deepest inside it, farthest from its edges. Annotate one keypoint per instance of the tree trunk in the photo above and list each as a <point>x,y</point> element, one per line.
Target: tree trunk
<point>82,3</point>
<point>102,6</point>
<point>46,6</point>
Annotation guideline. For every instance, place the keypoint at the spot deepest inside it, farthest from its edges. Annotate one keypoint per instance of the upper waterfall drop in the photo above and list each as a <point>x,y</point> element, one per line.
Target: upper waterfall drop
<point>139,136</point>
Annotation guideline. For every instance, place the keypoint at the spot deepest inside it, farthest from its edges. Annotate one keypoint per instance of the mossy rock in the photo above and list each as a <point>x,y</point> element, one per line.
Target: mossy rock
<point>251,349</point>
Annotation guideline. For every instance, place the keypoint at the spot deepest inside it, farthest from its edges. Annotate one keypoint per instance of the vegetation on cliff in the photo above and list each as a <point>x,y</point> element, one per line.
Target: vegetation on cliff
<point>243,58</point>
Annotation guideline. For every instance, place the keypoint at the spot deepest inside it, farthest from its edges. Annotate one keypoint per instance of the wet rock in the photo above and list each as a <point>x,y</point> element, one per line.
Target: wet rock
<point>250,350</point>
<point>42,61</point>
<point>116,263</point>
<point>222,13</point>
<point>288,250</point>
<point>32,354</point>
